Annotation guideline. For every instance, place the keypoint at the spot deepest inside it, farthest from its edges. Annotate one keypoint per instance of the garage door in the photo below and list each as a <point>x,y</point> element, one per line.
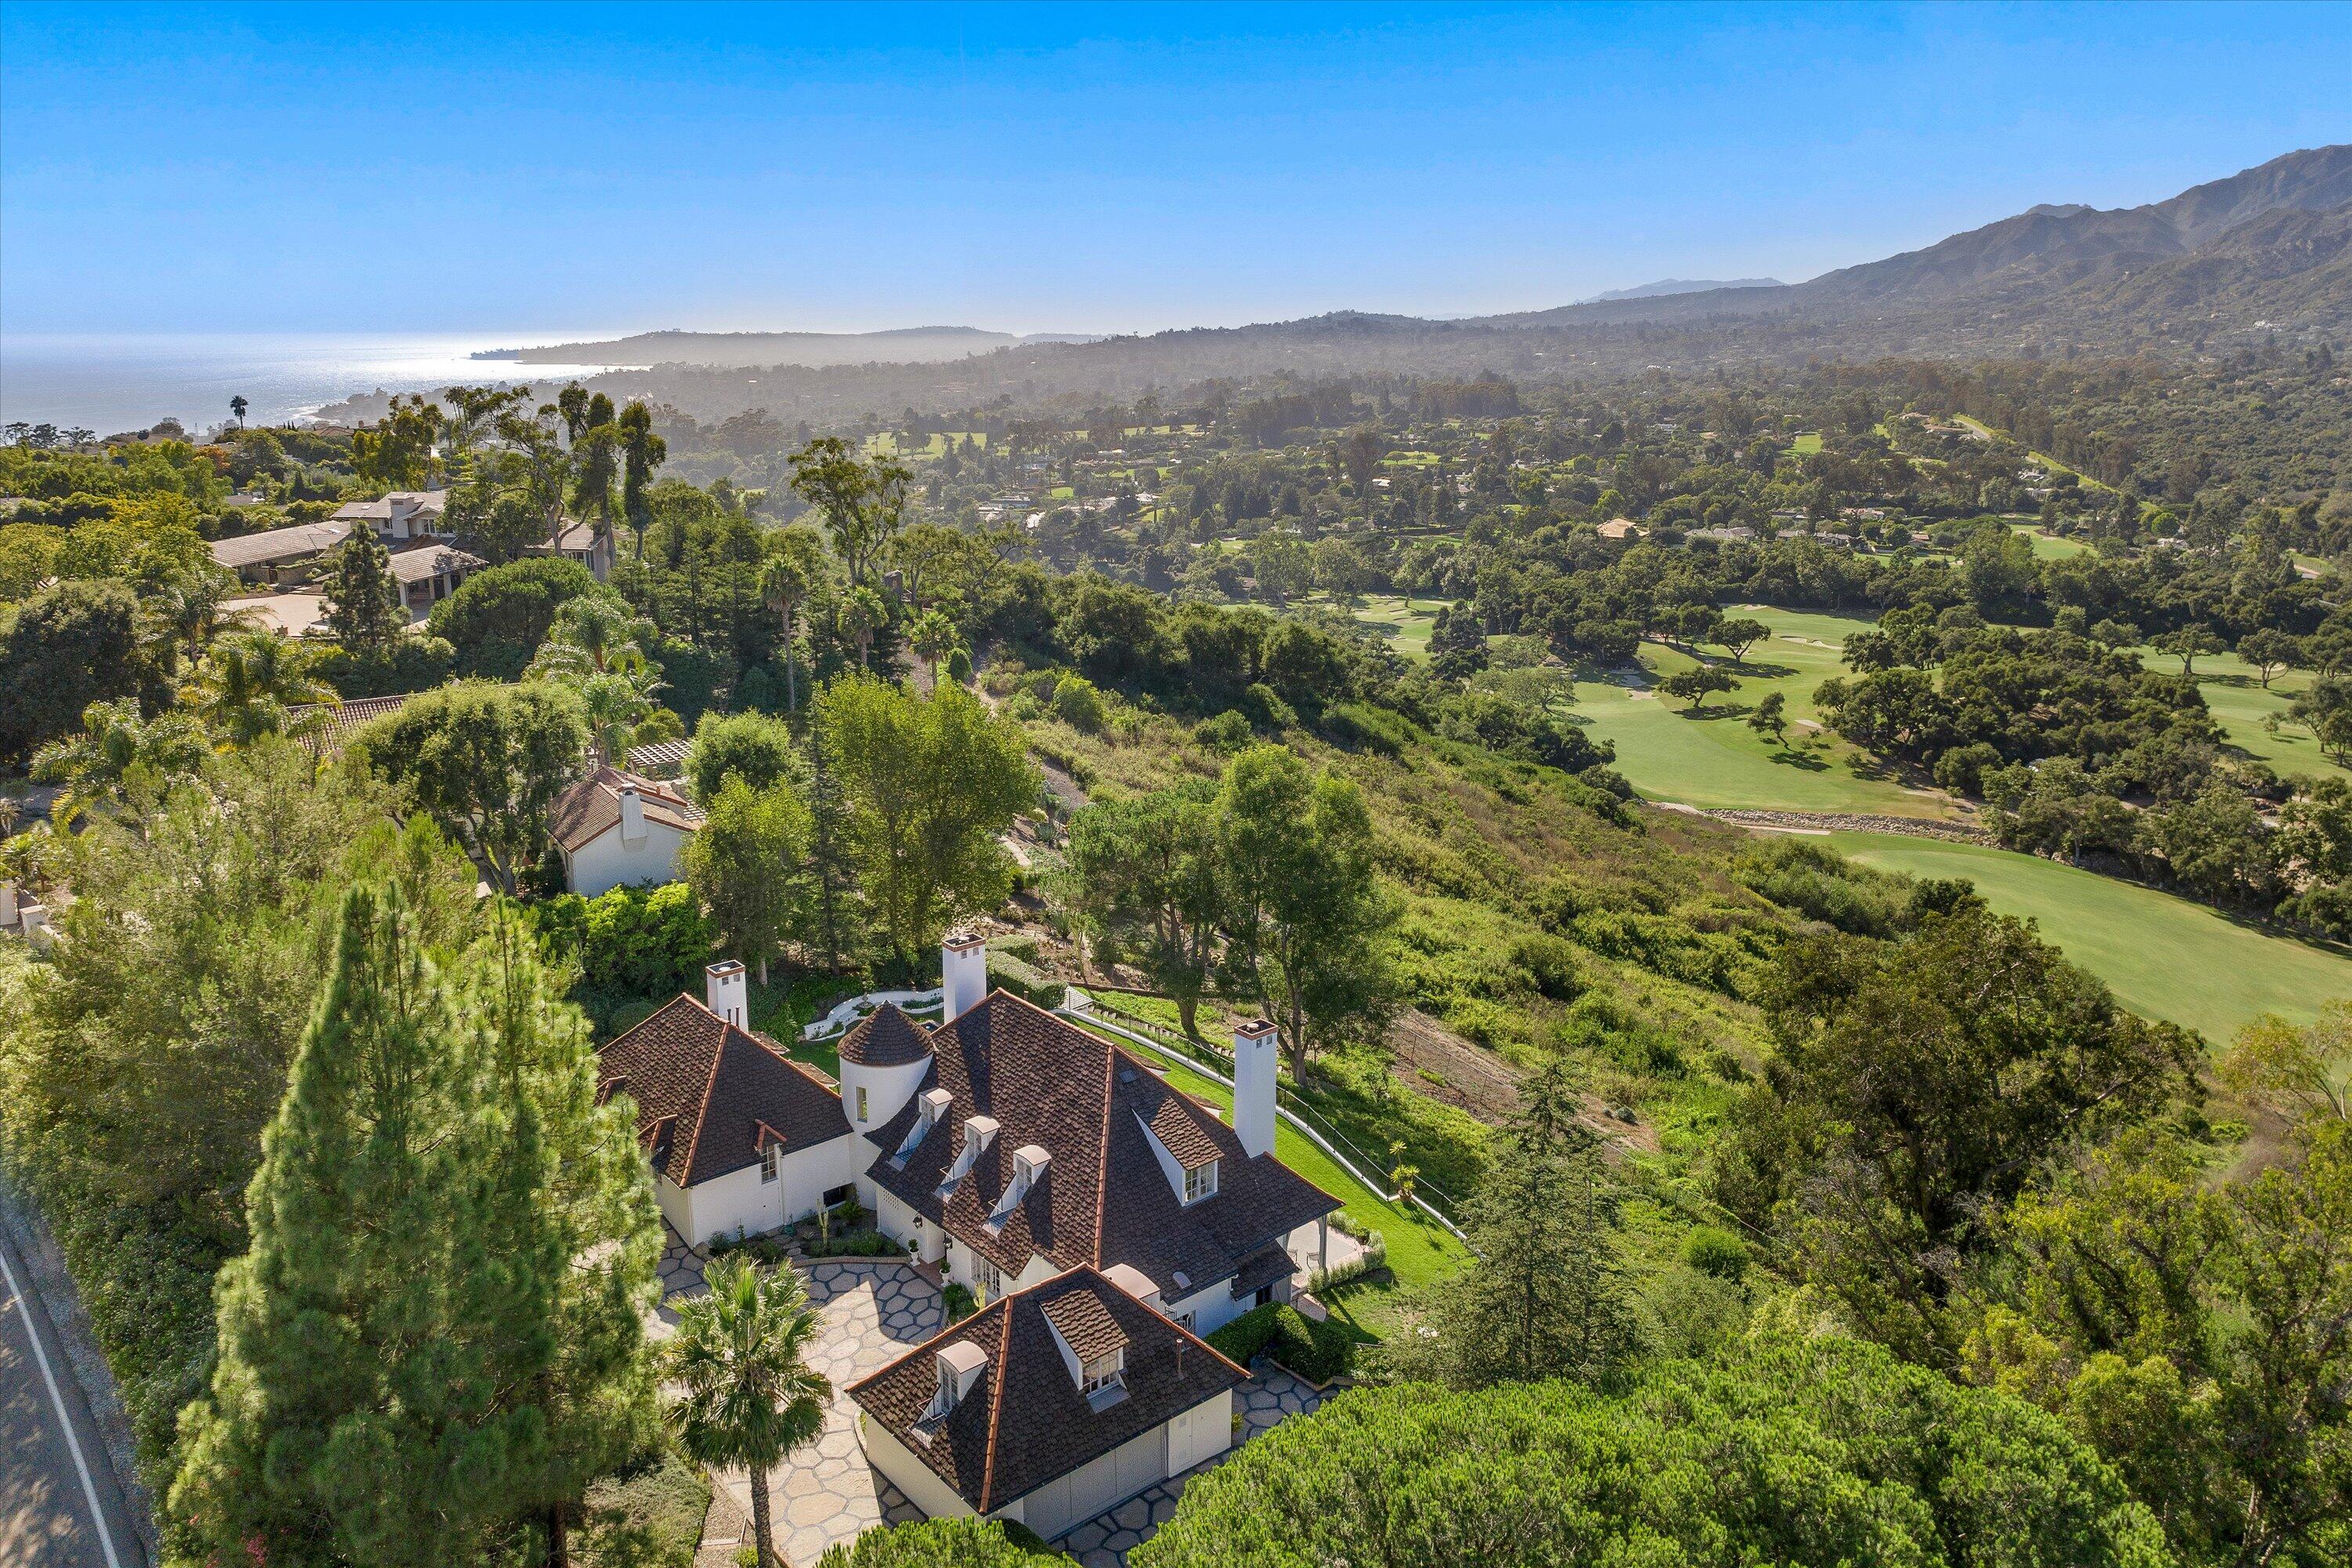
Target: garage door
<point>1101,1484</point>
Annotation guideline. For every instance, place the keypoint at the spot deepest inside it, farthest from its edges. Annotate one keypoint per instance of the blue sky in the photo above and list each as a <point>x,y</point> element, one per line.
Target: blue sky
<point>561,168</point>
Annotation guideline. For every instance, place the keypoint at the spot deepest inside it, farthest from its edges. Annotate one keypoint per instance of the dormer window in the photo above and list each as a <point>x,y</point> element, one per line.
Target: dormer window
<point>1105,1372</point>
<point>768,1163</point>
<point>1201,1182</point>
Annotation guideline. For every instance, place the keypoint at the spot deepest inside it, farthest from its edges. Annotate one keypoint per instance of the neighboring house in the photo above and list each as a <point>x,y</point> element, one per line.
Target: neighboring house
<point>614,828</point>
<point>428,573</point>
<point>660,758</point>
<point>742,1139</point>
<point>1102,1218</point>
<point>401,515</point>
<point>280,555</point>
<point>579,541</point>
<point>1620,528</point>
<point>1049,1406</point>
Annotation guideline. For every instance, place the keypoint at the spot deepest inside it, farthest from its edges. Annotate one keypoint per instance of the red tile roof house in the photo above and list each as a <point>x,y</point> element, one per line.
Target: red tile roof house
<point>1029,1160</point>
<point>614,828</point>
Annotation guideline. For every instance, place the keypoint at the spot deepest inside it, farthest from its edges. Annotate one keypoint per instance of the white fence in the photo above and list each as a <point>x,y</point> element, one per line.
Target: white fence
<point>857,1007</point>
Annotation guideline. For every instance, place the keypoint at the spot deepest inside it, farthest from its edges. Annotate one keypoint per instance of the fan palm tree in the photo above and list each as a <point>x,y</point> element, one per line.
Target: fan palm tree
<point>750,1397</point>
<point>251,683</point>
<point>114,740</point>
<point>862,613</point>
<point>933,637</point>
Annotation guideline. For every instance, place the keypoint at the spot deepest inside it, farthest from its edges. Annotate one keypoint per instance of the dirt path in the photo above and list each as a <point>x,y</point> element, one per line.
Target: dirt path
<point>1843,822</point>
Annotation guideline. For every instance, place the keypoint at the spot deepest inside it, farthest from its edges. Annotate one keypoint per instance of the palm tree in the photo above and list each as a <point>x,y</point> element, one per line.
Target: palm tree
<point>615,703</point>
<point>934,638</point>
<point>862,613</point>
<point>593,634</point>
<point>786,584</point>
<point>237,406</point>
<point>750,1396</point>
<point>251,681</point>
<point>114,740</point>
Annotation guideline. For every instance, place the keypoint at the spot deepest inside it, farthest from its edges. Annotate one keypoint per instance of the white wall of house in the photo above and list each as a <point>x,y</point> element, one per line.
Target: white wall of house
<point>604,862</point>
<point>1211,1308</point>
<point>1201,1433</point>
<point>676,1206</point>
<point>740,1201</point>
<point>886,1090</point>
<point>1070,1500</point>
<point>910,1475</point>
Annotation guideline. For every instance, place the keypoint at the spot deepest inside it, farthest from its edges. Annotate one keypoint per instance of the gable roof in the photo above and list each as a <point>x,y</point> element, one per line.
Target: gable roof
<point>1023,1422</point>
<point>591,808</point>
<point>708,1095</point>
<point>280,543</point>
<point>1104,1198</point>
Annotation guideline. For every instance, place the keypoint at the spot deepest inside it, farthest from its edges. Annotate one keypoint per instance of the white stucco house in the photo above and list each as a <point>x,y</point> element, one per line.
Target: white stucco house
<point>616,828</point>
<point>1104,1220</point>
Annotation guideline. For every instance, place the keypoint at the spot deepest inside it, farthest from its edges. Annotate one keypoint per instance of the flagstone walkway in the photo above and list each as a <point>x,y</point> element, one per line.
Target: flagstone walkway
<point>874,1312</point>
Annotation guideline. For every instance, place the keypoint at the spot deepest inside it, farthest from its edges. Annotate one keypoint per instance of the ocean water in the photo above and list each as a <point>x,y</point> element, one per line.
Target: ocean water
<point>113,383</point>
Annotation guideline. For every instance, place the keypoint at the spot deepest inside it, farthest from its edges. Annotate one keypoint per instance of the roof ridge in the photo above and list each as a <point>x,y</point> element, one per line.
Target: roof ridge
<point>1102,1153</point>
<point>710,1084</point>
<point>996,1380</point>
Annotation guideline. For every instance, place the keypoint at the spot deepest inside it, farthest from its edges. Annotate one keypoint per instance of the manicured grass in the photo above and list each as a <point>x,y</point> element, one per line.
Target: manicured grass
<point>2163,956</point>
<point>1403,623</point>
<point>1806,444</point>
<point>1710,758</point>
<point>2049,547</point>
<point>2234,694</point>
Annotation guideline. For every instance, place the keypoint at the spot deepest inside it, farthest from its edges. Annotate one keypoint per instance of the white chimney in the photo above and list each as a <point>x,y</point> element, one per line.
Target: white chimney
<point>963,974</point>
<point>633,815</point>
<point>728,993</point>
<point>1257,1048</point>
<point>7,903</point>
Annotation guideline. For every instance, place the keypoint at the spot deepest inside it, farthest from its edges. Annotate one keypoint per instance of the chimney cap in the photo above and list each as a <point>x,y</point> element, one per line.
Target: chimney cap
<point>1253,1028</point>
<point>964,942</point>
<point>725,969</point>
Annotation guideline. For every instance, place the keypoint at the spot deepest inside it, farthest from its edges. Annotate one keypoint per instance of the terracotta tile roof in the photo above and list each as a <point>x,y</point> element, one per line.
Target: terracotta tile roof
<point>1105,1198</point>
<point>710,1095</point>
<point>344,717</point>
<point>1023,1422</point>
<point>886,1039</point>
<point>592,807</point>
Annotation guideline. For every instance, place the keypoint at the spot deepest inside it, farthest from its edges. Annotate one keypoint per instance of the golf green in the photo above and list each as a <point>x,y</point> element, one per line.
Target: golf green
<point>2163,956</point>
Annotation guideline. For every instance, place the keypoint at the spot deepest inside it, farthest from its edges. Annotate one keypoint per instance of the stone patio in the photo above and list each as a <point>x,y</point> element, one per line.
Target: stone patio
<point>874,1312</point>
<point>1273,1395</point>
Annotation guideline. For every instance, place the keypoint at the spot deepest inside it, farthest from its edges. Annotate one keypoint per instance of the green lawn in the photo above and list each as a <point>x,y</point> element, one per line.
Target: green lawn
<point>2163,956</point>
<point>1403,623</point>
<point>1806,444</point>
<point>1710,758</point>
<point>2234,694</point>
<point>2047,546</point>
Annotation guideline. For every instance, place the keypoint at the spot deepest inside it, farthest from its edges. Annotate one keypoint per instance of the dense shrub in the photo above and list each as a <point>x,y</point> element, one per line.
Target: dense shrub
<point>646,1517</point>
<point>414,664</point>
<point>1077,703</point>
<point>1315,1351</point>
<point>642,941</point>
<point>497,619</point>
<point>947,1543</point>
<point>1823,885</point>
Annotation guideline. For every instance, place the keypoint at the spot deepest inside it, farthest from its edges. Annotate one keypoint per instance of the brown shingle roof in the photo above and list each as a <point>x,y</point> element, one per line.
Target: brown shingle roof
<point>710,1095</point>
<point>1024,1423</point>
<point>886,1039</point>
<point>1104,1199</point>
<point>592,806</point>
<point>280,543</point>
<point>1086,1324</point>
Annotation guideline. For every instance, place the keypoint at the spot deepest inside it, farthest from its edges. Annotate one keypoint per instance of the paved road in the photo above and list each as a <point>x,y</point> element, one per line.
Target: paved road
<point>59,1507</point>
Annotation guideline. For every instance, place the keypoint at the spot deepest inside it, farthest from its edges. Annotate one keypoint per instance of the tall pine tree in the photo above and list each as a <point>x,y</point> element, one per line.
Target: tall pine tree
<point>363,609</point>
<point>435,1340</point>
